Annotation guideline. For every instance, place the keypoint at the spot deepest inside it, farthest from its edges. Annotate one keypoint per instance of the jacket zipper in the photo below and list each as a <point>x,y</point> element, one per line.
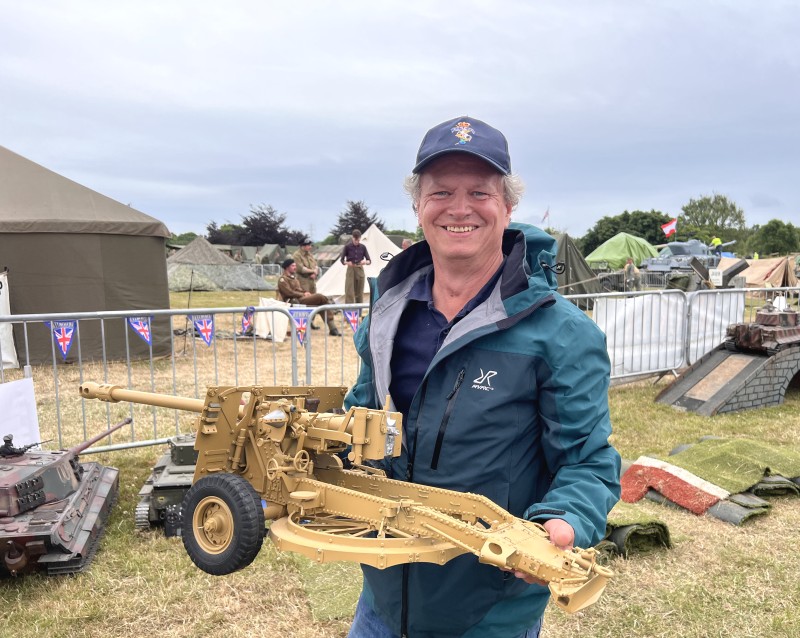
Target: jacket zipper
<point>412,450</point>
<point>451,401</point>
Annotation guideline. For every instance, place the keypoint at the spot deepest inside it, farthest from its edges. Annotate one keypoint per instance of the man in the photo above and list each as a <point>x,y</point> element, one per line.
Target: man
<point>716,246</point>
<point>307,269</point>
<point>289,289</point>
<point>503,386</point>
<point>633,279</point>
<point>407,243</point>
<point>355,256</point>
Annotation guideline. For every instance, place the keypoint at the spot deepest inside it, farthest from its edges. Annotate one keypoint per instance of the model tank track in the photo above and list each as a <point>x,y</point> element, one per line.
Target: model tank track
<point>142,515</point>
<point>81,562</point>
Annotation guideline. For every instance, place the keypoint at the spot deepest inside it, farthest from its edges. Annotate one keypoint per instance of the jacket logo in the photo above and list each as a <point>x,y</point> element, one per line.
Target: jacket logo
<point>484,381</point>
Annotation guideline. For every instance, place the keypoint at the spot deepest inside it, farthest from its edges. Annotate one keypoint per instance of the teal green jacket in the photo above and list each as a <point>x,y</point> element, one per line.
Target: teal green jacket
<point>514,406</point>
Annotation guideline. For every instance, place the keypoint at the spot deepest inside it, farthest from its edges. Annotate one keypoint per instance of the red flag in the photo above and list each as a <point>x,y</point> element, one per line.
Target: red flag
<point>669,227</point>
<point>546,215</point>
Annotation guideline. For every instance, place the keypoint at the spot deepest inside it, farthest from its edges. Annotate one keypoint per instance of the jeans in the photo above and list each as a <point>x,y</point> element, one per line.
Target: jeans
<point>367,624</point>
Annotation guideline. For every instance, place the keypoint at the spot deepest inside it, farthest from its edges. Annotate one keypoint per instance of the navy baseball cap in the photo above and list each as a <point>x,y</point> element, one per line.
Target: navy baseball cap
<point>465,135</point>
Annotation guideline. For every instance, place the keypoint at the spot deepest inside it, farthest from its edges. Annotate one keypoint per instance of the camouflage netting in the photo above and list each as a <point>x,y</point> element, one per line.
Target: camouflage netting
<point>199,251</point>
<point>200,266</point>
<point>184,277</point>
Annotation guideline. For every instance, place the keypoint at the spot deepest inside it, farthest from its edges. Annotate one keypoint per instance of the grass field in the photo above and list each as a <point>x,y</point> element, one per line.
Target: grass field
<point>717,580</point>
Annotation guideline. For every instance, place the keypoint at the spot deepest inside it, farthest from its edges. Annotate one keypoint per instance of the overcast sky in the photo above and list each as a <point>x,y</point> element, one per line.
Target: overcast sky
<point>194,111</point>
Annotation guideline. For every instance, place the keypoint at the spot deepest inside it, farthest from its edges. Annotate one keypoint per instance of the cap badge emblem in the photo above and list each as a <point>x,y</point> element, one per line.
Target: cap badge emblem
<point>462,131</point>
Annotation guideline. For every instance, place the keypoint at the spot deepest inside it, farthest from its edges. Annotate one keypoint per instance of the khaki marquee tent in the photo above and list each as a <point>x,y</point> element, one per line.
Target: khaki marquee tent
<point>70,249</point>
<point>777,272</point>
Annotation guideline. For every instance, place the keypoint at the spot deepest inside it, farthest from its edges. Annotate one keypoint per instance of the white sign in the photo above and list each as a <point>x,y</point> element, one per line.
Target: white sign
<point>715,277</point>
<point>18,407</point>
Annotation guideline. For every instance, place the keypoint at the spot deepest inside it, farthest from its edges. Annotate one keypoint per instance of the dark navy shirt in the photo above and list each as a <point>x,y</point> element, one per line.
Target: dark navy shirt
<point>420,334</point>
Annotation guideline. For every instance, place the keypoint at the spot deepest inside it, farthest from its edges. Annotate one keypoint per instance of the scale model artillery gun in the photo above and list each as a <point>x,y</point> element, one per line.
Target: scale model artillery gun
<point>53,509</point>
<point>161,495</point>
<point>261,459</point>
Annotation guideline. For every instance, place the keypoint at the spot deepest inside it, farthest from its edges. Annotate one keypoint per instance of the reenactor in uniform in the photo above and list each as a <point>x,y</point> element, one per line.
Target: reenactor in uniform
<point>307,269</point>
<point>290,289</point>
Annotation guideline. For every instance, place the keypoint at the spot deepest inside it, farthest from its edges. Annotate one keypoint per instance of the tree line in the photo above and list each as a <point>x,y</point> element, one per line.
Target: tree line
<point>701,218</point>
<point>265,225</point>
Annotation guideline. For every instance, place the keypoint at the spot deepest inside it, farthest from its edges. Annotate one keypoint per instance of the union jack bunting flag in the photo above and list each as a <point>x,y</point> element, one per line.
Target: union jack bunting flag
<point>204,326</point>
<point>353,317</point>
<point>63,332</point>
<point>247,320</point>
<point>300,317</point>
<point>141,326</point>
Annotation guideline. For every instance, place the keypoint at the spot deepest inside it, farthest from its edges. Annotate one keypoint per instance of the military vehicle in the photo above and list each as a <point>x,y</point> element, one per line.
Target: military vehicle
<point>161,495</point>
<point>678,255</point>
<point>772,331</point>
<point>53,508</point>
<point>262,459</point>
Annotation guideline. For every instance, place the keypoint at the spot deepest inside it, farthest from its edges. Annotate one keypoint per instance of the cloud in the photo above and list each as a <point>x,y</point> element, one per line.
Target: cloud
<point>194,111</point>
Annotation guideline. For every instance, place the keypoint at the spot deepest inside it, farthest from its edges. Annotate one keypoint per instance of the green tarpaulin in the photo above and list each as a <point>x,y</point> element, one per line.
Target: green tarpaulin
<point>615,252</point>
<point>738,464</point>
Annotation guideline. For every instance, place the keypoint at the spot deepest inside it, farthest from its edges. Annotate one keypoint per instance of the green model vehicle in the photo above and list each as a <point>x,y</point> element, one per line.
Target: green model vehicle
<point>161,495</point>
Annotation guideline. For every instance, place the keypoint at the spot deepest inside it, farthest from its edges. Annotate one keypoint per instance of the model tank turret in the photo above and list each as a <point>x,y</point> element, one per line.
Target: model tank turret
<point>53,508</point>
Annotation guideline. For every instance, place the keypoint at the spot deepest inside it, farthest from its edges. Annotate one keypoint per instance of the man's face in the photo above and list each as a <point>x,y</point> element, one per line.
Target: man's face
<point>307,248</point>
<point>290,270</point>
<point>462,209</point>
<point>356,240</point>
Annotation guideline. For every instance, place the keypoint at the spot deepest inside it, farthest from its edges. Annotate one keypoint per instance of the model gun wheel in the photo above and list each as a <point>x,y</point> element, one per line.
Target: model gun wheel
<point>223,523</point>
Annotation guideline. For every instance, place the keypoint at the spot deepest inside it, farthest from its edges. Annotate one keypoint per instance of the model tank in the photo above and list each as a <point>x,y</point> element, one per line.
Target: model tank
<point>53,508</point>
<point>772,331</point>
<point>161,495</point>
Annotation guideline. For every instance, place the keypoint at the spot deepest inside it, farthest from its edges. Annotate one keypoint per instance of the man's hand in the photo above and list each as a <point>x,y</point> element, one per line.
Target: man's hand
<point>561,535</point>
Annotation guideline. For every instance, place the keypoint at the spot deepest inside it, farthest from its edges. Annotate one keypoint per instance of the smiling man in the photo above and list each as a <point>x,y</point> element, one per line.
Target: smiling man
<point>502,383</point>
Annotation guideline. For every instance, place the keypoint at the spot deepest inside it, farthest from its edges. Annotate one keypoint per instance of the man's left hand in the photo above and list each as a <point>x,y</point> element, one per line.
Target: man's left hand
<point>561,535</point>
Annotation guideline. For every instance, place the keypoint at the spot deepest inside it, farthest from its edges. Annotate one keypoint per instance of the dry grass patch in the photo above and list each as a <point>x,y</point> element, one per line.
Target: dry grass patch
<point>717,581</point>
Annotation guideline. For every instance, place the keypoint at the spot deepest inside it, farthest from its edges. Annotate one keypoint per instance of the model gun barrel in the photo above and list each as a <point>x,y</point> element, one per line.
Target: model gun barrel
<point>32,445</point>
<point>90,442</point>
<point>115,394</point>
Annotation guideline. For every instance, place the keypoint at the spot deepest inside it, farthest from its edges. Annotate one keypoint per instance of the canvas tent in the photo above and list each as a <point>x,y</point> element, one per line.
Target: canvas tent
<point>71,249</point>
<point>777,272</point>
<point>201,266</point>
<point>577,278</point>
<point>327,254</point>
<point>380,248</point>
<point>613,253</point>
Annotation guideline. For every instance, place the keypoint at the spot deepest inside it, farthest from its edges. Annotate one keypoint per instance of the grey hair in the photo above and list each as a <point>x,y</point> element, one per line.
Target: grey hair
<point>513,189</point>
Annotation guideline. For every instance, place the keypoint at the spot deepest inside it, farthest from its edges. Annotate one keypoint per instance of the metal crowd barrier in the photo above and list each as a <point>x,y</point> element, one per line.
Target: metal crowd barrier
<point>648,332</point>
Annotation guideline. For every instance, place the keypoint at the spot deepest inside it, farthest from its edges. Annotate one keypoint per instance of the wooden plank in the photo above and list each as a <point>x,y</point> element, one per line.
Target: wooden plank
<point>715,380</point>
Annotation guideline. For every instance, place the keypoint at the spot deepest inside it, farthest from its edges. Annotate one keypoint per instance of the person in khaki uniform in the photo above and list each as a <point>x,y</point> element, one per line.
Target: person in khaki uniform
<point>290,289</point>
<point>307,268</point>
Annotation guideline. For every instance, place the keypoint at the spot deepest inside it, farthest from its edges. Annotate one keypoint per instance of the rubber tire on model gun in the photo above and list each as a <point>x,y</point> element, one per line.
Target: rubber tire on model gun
<point>233,539</point>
